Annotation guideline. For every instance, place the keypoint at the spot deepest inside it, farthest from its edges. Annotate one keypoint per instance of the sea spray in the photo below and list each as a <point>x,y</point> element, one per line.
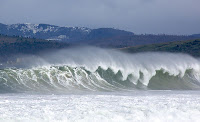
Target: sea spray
<point>94,69</point>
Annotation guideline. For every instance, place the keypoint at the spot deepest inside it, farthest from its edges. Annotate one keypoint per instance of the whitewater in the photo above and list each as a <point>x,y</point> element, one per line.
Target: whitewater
<point>93,84</point>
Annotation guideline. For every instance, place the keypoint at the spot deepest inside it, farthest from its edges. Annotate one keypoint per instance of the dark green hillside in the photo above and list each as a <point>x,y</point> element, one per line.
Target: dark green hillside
<point>121,41</point>
<point>191,47</point>
<point>10,45</point>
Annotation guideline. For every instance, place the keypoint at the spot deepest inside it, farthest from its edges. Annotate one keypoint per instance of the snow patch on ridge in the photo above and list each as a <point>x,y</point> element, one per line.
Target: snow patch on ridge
<point>58,38</point>
<point>35,28</point>
<point>83,29</point>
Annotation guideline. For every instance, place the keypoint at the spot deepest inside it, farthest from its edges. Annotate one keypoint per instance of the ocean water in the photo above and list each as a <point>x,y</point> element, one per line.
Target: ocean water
<point>142,106</point>
<point>91,84</point>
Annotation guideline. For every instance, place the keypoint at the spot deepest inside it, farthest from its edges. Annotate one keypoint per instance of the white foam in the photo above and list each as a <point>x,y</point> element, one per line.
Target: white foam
<point>146,63</point>
<point>133,107</point>
<point>92,58</point>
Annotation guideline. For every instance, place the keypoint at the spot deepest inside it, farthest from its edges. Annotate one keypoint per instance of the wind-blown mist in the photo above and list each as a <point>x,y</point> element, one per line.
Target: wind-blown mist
<point>94,69</point>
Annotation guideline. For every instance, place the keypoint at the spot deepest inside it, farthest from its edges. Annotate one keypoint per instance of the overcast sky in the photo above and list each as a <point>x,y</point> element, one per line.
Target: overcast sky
<point>138,16</point>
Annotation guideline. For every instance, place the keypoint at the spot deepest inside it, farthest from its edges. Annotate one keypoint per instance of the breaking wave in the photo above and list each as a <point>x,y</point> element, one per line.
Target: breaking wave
<point>93,69</point>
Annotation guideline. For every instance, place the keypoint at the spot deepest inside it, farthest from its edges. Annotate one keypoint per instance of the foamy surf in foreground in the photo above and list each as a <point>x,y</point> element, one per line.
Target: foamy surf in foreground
<point>140,106</point>
<point>91,84</point>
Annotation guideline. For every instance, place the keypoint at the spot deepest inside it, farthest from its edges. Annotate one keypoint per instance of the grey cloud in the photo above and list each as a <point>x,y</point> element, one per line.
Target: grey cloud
<point>139,16</point>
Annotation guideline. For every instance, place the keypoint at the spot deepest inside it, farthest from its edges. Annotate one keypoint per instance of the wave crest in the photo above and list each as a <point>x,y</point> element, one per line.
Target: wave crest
<point>94,69</point>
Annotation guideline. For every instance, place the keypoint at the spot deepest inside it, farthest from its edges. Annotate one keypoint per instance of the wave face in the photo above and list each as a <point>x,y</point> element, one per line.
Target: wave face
<point>93,69</point>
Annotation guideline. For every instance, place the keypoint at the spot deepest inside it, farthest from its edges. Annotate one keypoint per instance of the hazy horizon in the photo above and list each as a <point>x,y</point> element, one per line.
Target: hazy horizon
<point>139,16</point>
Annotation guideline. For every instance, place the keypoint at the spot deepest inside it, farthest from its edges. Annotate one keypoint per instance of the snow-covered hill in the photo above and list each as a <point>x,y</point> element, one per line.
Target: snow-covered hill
<point>101,37</point>
<point>45,31</point>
